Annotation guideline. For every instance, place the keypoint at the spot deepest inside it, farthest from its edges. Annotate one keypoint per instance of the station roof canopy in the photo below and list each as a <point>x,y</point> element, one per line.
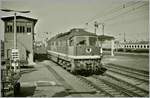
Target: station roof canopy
<point>105,37</point>
<point>19,17</point>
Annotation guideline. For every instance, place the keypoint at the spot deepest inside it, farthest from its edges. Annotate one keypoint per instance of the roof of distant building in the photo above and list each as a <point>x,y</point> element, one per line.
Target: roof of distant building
<point>18,17</point>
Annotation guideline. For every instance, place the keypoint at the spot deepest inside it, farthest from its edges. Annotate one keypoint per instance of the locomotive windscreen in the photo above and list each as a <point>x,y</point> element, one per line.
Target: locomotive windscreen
<point>86,40</point>
<point>92,41</point>
<point>81,41</point>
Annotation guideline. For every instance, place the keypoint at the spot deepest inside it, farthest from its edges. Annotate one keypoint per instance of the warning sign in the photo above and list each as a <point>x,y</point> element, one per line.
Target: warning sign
<point>15,54</point>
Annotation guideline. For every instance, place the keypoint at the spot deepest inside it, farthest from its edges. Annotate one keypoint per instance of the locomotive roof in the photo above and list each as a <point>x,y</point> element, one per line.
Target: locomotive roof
<point>80,32</point>
<point>71,33</point>
<point>105,37</point>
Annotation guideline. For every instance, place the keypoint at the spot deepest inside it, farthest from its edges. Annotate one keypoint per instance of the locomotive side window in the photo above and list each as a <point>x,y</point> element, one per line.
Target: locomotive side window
<point>92,41</point>
<point>81,41</point>
<point>71,42</point>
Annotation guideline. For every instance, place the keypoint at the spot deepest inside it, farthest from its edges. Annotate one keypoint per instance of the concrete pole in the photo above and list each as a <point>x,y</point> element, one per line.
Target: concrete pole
<point>15,35</point>
<point>112,47</point>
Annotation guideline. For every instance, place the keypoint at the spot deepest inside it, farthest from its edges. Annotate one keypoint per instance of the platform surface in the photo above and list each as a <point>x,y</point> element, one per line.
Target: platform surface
<point>39,82</point>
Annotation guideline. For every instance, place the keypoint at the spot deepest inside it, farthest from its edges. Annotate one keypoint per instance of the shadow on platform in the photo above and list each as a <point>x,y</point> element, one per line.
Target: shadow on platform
<point>27,91</point>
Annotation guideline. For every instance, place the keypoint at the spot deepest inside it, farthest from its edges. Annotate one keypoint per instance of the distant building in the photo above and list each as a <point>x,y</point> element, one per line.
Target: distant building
<point>25,36</point>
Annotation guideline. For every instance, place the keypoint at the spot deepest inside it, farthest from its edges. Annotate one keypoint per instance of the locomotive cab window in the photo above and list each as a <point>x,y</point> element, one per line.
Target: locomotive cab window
<point>92,41</point>
<point>81,41</point>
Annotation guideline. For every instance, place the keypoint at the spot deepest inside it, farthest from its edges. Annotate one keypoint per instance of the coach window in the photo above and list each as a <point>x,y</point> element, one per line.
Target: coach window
<point>134,46</point>
<point>147,46</point>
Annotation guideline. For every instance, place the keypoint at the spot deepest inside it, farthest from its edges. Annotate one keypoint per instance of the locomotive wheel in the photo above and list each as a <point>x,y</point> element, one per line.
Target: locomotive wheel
<point>17,89</point>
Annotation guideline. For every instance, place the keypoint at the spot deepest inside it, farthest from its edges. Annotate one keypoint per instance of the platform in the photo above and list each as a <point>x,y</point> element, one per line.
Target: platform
<point>39,79</point>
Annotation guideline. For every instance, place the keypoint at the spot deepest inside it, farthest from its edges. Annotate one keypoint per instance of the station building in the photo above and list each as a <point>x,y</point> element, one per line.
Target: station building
<point>24,36</point>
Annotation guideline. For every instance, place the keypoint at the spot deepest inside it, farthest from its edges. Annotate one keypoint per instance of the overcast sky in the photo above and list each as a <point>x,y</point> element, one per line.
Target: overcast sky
<point>58,16</point>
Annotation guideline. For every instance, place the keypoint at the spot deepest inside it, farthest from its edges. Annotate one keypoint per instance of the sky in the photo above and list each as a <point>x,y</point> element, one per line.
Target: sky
<point>58,16</point>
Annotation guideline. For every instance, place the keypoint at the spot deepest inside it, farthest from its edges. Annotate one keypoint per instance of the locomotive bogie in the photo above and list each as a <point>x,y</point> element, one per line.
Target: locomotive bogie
<point>91,65</point>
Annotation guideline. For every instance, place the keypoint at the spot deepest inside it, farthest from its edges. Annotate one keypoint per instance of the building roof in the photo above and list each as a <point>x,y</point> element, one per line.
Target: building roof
<point>19,17</point>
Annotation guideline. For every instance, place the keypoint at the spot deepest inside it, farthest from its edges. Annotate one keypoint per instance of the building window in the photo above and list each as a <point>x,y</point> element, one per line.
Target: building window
<point>9,28</point>
<point>17,28</point>
<point>28,29</point>
<point>20,29</point>
<point>23,29</point>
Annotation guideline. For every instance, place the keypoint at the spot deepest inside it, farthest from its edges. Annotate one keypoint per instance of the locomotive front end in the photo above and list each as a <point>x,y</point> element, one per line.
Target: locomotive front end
<point>87,59</point>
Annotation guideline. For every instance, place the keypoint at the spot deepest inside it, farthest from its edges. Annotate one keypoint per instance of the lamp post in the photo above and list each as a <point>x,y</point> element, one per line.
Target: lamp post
<point>15,12</point>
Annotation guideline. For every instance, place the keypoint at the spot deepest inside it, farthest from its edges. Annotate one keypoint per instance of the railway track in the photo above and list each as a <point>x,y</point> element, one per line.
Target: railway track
<point>103,86</point>
<point>138,76</point>
<point>126,86</point>
<point>107,88</point>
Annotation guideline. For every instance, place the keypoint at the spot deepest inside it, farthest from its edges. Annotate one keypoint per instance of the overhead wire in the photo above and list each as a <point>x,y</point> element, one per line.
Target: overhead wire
<point>114,10</point>
<point>126,12</point>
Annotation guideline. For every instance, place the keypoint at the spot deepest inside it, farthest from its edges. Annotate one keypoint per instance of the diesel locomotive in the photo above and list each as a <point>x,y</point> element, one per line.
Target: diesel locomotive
<point>76,51</point>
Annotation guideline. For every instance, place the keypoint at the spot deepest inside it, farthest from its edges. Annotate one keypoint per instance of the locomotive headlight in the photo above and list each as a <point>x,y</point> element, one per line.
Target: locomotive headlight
<point>88,50</point>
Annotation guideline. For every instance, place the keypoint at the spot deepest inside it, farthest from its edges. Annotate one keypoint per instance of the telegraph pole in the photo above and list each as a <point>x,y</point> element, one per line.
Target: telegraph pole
<point>124,41</point>
<point>96,26</point>
<point>124,37</point>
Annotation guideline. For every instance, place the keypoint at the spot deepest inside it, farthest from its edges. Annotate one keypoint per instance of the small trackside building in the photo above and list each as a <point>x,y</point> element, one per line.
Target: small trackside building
<point>24,36</point>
